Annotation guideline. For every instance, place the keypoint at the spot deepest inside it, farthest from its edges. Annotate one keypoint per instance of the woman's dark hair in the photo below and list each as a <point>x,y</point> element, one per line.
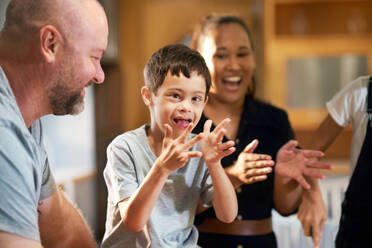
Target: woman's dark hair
<point>212,22</point>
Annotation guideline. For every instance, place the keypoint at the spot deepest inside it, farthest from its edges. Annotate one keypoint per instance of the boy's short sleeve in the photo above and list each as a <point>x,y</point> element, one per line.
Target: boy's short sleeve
<point>120,172</point>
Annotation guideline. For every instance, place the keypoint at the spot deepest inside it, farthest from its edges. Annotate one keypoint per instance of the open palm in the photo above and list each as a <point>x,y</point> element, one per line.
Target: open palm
<point>297,163</point>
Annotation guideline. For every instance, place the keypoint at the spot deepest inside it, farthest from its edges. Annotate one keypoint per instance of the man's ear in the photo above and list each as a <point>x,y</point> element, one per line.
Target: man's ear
<point>50,42</point>
<point>146,96</point>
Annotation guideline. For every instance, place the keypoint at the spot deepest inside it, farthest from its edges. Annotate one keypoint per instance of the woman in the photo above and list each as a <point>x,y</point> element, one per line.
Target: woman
<point>225,43</point>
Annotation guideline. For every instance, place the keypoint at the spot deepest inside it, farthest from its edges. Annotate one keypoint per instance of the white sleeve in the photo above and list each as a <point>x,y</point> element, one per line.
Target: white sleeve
<point>342,106</point>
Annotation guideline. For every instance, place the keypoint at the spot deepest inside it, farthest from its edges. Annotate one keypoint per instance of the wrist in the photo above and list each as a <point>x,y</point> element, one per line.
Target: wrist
<point>160,170</point>
<point>312,195</point>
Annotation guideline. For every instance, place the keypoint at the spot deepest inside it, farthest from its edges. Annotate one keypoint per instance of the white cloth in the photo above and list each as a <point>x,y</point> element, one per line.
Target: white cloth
<point>349,106</point>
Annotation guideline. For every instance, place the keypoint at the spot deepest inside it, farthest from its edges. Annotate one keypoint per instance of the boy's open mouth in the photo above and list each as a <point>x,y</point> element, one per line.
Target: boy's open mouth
<point>182,123</point>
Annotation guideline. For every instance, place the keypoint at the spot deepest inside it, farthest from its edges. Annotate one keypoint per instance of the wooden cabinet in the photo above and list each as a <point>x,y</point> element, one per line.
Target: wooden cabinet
<point>307,32</point>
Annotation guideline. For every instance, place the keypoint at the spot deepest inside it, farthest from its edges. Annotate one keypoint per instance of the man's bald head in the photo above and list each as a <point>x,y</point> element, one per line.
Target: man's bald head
<point>65,15</point>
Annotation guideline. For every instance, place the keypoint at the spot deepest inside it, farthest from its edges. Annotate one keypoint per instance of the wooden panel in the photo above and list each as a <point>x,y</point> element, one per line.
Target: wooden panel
<point>309,18</point>
<point>323,37</point>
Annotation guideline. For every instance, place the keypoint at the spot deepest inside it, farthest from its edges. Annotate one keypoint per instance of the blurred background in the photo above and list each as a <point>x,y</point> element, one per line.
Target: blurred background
<point>306,50</point>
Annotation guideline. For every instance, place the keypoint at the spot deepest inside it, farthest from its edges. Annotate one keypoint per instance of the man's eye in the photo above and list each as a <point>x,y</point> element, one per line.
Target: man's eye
<point>175,96</point>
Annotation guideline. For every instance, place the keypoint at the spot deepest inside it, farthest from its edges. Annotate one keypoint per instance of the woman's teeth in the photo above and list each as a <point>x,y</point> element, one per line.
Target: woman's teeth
<point>232,79</point>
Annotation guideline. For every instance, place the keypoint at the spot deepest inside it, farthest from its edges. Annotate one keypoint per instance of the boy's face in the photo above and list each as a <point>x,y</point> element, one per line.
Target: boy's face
<point>178,102</point>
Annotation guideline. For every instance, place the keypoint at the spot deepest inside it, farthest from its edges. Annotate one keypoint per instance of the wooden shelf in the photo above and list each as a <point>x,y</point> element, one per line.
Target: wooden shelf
<point>297,18</point>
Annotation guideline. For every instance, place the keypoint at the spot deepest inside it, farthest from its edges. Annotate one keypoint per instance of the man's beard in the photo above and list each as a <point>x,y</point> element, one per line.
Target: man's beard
<point>64,101</point>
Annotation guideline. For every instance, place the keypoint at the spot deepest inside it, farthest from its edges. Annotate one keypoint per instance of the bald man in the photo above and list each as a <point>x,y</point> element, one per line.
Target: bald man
<point>50,50</point>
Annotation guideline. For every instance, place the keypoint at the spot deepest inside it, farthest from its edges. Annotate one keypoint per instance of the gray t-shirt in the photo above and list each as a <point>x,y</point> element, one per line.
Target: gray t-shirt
<point>129,159</point>
<point>25,174</point>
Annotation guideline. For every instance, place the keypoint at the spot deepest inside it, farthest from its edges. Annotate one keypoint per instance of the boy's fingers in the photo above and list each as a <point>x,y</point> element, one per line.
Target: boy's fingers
<point>207,126</point>
<point>226,145</point>
<point>186,133</point>
<point>167,134</point>
<point>194,154</point>
<point>222,124</point>
<point>251,146</point>
<point>193,141</point>
<point>220,134</point>
<point>227,152</point>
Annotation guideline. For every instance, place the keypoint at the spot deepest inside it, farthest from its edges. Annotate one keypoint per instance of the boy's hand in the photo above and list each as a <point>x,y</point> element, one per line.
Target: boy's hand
<point>212,148</point>
<point>250,167</point>
<point>175,152</point>
<point>296,163</point>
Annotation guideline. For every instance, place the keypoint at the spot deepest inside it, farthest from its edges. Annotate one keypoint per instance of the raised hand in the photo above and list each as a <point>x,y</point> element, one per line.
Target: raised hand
<point>297,163</point>
<point>211,145</point>
<point>175,152</point>
<point>250,167</point>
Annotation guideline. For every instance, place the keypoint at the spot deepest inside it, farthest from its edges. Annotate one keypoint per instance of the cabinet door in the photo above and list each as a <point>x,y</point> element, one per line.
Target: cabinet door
<point>312,49</point>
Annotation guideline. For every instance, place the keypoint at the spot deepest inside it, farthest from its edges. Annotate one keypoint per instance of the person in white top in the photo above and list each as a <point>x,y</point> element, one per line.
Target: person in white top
<point>350,106</point>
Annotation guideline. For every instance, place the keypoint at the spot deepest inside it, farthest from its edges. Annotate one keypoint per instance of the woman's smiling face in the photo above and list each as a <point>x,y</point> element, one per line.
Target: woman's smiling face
<point>229,56</point>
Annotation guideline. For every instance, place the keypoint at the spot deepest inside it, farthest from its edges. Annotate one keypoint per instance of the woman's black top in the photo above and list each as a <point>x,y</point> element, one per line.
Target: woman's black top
<point>271,127</point>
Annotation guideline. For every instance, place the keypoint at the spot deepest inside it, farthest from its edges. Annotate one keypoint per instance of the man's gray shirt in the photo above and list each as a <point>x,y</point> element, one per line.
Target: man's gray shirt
<point>25,177</point>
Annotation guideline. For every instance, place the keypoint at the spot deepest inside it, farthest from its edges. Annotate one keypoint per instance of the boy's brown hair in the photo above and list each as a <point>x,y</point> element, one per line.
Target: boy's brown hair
<point>176,59</point>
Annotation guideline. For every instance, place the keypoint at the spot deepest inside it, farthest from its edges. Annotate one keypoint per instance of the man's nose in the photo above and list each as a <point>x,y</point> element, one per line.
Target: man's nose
<point>100,75</point>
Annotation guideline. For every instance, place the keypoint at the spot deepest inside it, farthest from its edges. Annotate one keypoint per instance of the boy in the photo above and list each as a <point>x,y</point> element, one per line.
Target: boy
<point>154,174</point>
